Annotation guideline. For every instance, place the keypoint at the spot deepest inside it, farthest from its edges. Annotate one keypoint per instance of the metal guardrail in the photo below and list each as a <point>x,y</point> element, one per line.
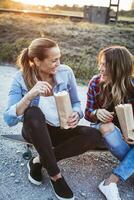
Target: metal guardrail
<point>43,14</point>
<point>125,22</point>
<point>74,18</point>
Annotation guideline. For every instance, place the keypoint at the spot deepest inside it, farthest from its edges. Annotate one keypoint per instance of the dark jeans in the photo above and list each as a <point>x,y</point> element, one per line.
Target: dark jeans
<point>54,144</point>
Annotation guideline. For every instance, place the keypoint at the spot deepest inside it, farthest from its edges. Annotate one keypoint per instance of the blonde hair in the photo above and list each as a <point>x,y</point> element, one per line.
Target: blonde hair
<point>119,70</point>
<point>39,49</point>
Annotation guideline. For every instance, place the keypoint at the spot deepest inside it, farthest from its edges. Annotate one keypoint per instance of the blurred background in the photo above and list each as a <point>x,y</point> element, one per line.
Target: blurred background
<point>81,29</point>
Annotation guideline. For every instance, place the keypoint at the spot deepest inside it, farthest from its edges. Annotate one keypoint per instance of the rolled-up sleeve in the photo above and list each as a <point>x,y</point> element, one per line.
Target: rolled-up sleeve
<point>76,105</point>
<point>14,96</point>
<point>91,103</point>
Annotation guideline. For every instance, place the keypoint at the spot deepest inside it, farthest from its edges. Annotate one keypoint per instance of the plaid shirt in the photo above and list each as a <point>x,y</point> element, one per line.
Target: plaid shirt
<point>93,90</point>
<point>92,103</point>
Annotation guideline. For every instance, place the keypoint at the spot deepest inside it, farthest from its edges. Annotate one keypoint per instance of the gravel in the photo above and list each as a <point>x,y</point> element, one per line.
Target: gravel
<point>83,173</point>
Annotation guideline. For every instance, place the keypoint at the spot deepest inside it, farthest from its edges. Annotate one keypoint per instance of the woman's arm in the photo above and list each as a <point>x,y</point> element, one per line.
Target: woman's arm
<point>76,105</point>
<point>14,96</point>
<point>17,104</point>
<point>92,112</point>
<point>23,104</point>
<point>91,107</point>
<point>40,88</point>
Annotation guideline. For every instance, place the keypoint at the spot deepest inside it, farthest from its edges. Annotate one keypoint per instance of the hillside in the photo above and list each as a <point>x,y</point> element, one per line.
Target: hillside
<point>79,42</point>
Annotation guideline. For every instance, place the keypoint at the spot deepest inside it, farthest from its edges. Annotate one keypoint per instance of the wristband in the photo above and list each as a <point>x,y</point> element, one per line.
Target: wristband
<point>95,112</point>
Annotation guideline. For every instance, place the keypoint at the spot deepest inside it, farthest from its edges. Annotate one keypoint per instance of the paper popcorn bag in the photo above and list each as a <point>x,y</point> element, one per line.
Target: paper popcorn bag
<point>64,107</point>
<point>126,119</point>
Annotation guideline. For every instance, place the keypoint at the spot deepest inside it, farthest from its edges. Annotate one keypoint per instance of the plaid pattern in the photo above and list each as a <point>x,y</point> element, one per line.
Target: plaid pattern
<point>93,90</point>
<point>92,103</point>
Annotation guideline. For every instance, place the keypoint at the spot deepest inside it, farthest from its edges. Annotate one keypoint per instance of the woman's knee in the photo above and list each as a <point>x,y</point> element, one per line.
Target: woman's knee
<point>33,114</point>
<point>33,111</point>
<point>106,128</point>
<point>92,138</point>
<point>91,133</point>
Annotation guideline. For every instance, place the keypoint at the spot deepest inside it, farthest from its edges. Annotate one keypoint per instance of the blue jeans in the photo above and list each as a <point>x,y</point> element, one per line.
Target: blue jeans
<point>126,167</point>
<point>121,150</point>
<point>116,144</point>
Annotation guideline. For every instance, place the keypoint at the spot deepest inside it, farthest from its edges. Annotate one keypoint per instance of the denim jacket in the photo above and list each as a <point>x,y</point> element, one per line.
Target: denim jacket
<point>64,79</point>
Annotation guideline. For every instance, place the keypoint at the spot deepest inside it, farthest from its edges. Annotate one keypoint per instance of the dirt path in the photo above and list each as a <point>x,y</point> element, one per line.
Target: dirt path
<point>83,173</point>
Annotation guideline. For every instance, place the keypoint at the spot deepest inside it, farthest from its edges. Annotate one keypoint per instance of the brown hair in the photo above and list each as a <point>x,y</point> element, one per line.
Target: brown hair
<point>39,49</point>
<point>119,69</point>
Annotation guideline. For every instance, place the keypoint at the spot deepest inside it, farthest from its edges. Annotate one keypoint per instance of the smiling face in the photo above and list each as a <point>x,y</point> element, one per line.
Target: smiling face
<point>50,64</point>
<point>102,67</point>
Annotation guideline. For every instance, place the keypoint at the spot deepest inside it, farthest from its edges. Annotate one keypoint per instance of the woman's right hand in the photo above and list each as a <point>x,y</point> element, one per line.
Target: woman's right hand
<point>104,115</point>
<point>40,88</point>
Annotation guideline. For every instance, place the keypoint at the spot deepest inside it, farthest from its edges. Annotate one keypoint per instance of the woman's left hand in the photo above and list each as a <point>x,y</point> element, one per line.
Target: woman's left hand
<point>129,141</point>
<point>73,120</point>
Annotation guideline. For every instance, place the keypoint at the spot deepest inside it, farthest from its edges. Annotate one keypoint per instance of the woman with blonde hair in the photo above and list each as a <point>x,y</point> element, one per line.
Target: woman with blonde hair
<point>112,86</point>
<point>31,101</point>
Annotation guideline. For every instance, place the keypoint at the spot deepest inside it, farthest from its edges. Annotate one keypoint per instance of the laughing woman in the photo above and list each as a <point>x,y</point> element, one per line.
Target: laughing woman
<point>112,86</point>
<point>31,101</point>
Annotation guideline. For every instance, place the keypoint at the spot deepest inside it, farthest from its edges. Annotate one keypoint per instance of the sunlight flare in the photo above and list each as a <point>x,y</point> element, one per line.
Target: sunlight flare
<point>125,5</point>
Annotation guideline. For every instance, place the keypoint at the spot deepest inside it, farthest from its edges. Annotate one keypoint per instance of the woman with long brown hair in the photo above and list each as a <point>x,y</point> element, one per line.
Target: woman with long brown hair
<point>114,85</point>
<point>32,102</point>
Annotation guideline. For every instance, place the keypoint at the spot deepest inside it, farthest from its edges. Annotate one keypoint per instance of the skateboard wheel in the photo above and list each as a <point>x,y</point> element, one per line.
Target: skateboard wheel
<point>27,155</point>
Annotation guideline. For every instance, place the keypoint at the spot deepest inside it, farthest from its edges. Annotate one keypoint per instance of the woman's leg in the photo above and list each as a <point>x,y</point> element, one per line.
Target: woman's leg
<point>114,140</point>
<point>122,172</point>
<point>126,167</point>
<point>36,130</point>
<point>109,188</point>
<point>72,142</point>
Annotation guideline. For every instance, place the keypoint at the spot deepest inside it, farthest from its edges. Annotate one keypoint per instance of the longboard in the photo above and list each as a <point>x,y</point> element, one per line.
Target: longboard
<point>28,154</point>
<point>18,138</point>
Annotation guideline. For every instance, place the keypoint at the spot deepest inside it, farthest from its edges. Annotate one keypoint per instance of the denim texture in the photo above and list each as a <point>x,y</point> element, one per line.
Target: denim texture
<point>126,167</point>
<point>64,80</point>
<point>122,151</point>
<point>116,144</point>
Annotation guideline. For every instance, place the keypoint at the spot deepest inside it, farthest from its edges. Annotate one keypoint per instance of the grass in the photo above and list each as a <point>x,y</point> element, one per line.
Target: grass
<point>79,42</point>
<point>131,19</point>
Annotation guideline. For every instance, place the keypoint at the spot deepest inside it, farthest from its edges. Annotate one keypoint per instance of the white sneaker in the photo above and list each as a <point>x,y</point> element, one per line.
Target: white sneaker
<point>110,191</point>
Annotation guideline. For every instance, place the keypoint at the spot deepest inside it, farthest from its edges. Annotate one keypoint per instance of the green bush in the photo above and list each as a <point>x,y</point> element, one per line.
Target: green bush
<point>9,51</point>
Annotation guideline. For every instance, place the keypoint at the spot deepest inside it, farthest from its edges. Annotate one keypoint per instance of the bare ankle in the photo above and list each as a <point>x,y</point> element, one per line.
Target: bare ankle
<point>54,178</point>
<point>36,160</point>
<point>112,179</point>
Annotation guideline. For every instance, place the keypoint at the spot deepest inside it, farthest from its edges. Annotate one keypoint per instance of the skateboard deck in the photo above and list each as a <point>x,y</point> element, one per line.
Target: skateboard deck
<point>27,155</point>
<point>16,138</point>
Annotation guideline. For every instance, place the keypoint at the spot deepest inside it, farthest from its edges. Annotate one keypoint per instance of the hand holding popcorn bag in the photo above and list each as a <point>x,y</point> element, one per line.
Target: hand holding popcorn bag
<point>126,119</point>
<point>64,107</point>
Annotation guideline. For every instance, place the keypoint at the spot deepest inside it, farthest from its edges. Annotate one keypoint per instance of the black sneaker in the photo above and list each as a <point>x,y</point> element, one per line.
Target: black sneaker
<point>62,190</point>
<point>35,174</point>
